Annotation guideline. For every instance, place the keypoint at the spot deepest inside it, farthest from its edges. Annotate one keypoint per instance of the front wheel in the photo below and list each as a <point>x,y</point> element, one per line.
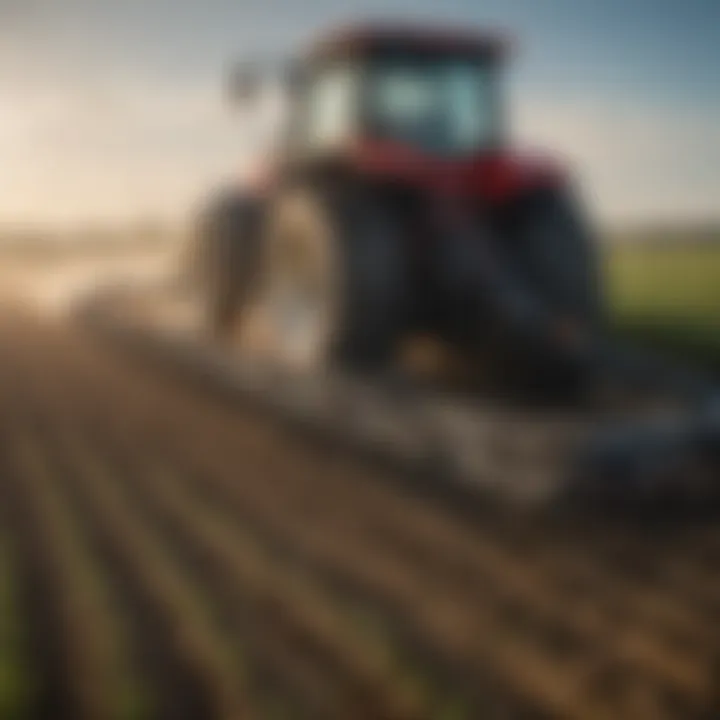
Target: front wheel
<point>332,286</point>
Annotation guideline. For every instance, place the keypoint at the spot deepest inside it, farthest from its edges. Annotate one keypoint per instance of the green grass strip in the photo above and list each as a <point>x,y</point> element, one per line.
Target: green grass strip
<point>16,682</point>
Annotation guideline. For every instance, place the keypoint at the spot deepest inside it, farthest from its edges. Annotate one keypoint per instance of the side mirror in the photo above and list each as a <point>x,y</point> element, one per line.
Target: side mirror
<point>293,77</point>
<point>247,81</point>
<point>244,84</point>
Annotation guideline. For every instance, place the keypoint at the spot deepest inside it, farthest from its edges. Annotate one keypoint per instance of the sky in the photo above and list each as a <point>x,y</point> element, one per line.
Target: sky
<point>114,110</point>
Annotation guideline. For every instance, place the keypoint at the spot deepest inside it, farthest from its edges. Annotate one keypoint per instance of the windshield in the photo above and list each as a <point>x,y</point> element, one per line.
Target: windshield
<point>442,105</point>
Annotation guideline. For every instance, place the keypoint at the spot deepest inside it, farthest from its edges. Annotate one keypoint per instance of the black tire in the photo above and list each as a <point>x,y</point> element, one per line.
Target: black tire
<point>225,260</point>
<point>553,251</point>
<point>349,248</point>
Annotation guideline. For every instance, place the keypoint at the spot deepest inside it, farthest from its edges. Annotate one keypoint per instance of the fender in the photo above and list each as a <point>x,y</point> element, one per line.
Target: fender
<point>495,177</point>
<point>505,176</point>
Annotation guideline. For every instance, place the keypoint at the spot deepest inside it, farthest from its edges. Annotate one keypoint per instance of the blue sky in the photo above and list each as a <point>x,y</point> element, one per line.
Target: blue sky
<point>113,108</point>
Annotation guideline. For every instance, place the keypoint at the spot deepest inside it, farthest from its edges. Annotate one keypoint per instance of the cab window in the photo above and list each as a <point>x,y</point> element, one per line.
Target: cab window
<point>330,115</point>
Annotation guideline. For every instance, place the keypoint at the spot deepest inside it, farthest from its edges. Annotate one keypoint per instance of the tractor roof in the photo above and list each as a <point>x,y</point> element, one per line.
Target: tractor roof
<point>370,38</point>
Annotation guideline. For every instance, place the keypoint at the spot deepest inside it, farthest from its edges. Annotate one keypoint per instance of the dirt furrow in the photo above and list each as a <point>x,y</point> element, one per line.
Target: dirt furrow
<point>637,647</point>
<point>596,621</point>
<point>17,676</point>
<point>75,631</point>
<point>350,661</point>
<point>202,674</point>
<point>649,588</point>
<point>95,668</point>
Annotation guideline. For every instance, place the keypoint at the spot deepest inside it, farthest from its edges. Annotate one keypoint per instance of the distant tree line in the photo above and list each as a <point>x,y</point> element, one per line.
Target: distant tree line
<point>34,242</point>
<point>664,235</point>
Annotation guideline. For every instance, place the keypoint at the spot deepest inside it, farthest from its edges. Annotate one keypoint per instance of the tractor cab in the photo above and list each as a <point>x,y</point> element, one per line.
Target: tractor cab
<point>435,94</point>
<point>419,107</point>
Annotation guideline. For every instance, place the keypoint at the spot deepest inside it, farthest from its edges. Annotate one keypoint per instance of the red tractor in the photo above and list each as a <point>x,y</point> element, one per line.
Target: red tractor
<point>399,206</point>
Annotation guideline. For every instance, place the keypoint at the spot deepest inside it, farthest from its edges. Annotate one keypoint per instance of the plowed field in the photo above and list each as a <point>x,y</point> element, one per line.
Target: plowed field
<point>167,553</point>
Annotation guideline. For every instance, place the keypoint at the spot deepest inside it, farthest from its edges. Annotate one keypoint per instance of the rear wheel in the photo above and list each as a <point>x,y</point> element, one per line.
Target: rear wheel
<point>552,252</point>
<point>332,285</point>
